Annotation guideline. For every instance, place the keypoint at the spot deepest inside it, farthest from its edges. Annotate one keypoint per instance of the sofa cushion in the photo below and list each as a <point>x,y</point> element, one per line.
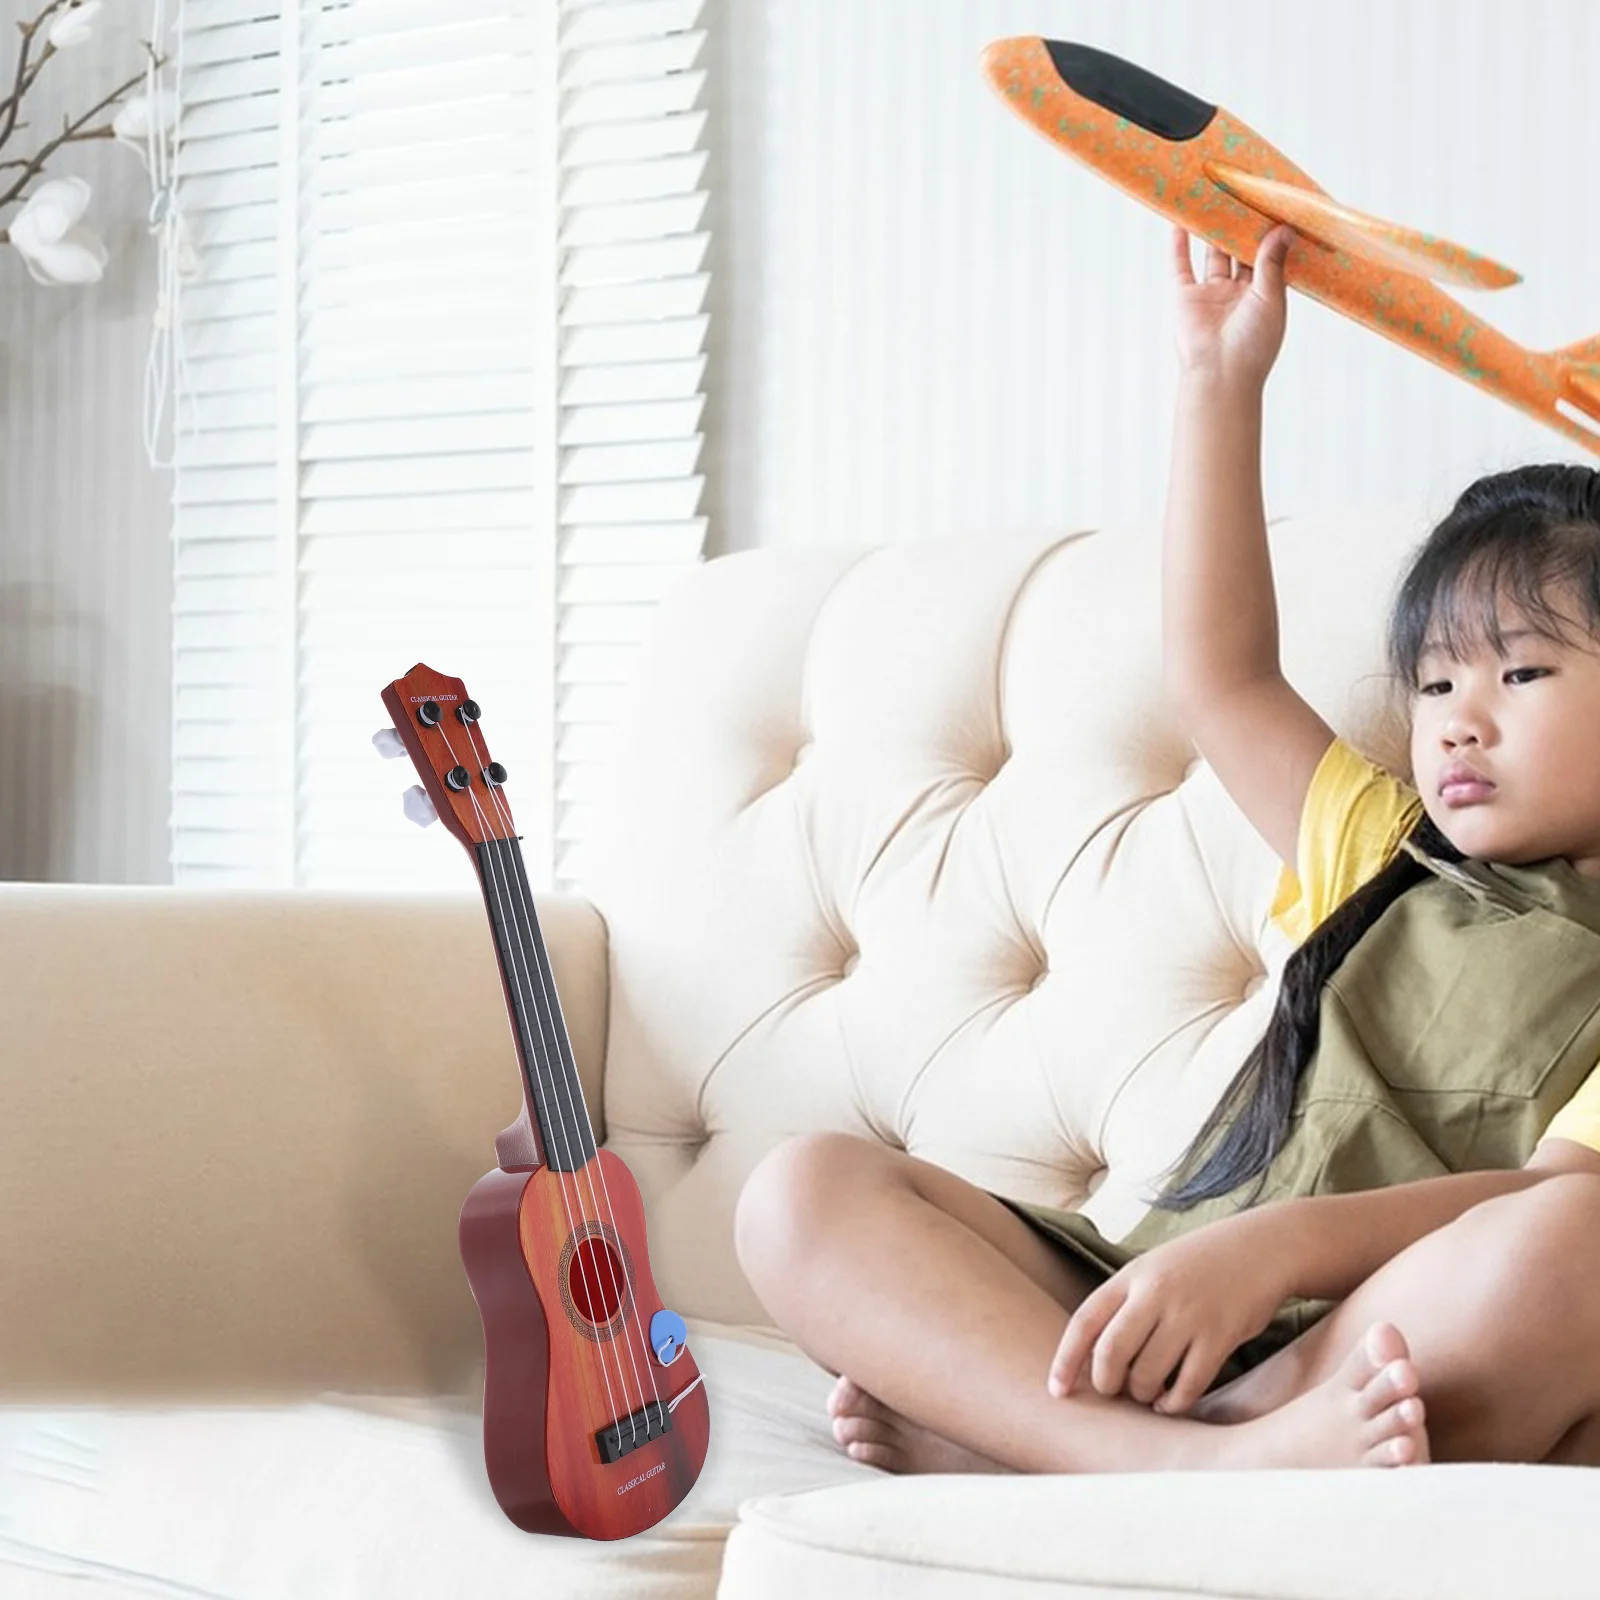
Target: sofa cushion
<point>373,1495</point>
<point>1468,1532</point>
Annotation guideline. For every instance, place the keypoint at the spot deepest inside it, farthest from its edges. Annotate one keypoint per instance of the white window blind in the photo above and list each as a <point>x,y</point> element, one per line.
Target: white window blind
<point>441,402</point>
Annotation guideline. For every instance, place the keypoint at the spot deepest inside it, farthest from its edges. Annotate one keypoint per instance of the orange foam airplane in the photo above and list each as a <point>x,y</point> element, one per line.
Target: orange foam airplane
<point>1198,165</point>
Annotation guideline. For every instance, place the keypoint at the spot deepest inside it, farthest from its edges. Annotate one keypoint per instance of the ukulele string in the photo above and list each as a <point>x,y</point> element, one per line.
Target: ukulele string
<point>547,1028</point>
<point>684,1393</point>
<point>592,1289</point>
<point>524,988</point>
<point>552,1009</point>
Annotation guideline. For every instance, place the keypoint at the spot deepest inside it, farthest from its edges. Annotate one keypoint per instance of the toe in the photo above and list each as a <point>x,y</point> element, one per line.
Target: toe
<point>1398,1437</point>
<point>860,1430</point>
<point>1395,1382</point>
<point>1380,1345</point>
<point>849,1399</point>
<point>1400,1451</point>
<point>872,1455</point>
<point>1384,1343</point>
<point>870,1406</point>
<point>1405,1416</point>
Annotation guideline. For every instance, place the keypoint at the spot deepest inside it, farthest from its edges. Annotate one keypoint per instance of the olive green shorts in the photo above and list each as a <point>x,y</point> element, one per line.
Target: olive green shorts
<point>1078,1238</point>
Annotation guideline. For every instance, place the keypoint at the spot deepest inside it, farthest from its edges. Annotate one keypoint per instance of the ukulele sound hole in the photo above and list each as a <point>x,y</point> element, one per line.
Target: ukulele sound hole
<point>595,1279</point>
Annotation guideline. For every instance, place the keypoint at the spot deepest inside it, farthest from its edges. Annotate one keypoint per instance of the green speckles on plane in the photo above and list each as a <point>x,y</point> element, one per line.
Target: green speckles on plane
<point>1161,187</point>
<point>1197,188</point>
<point>1232,140</point>
<point>1123,124</point>
<point>1464,351</point>
<point>1038,93</point>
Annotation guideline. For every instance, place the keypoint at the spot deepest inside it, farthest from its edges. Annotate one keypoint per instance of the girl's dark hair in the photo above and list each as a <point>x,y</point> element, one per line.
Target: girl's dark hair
<point>1520,535</point>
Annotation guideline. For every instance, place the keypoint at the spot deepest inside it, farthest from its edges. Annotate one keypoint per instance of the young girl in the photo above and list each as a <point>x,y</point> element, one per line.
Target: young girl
<point>1384,1245</point>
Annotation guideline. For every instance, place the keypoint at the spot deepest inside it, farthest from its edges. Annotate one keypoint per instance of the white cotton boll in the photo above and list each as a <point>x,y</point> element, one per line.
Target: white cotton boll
<point>80,257</point>
<point>53,207</point>
<point>75,25</point>
<point>57,248</point>
<point>133,121</point>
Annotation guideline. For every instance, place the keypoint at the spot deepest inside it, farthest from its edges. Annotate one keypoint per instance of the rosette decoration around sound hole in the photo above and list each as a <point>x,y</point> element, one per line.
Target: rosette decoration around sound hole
<point>596,1273</point>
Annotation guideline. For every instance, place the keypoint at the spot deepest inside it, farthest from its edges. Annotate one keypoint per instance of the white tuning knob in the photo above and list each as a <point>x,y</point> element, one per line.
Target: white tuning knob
<point>418,806</point>
<point>388,743</point>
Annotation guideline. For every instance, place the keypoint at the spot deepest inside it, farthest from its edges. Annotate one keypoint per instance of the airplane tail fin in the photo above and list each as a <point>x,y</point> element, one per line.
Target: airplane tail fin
<point>1579,369</point>
<point>1585,350</point>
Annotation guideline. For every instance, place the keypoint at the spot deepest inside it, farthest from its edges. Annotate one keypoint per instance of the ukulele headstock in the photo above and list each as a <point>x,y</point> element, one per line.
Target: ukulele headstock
<point>438,722</point>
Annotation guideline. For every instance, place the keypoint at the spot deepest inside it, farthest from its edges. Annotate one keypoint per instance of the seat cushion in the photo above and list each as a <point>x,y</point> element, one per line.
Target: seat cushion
<point>1469,1532</point>
<point>352,1496</point>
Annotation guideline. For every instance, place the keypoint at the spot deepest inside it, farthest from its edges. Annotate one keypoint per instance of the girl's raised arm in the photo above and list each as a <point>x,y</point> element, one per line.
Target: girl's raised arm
<point>1220,662</point>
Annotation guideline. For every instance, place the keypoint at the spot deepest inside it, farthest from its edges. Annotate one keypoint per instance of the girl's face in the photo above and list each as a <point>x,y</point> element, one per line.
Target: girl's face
<point>1529,723</point>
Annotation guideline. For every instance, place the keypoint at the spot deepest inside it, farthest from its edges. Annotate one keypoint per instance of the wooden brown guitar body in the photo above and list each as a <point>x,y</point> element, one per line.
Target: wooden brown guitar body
<point>595,1416</point>
<point>546,1396</point>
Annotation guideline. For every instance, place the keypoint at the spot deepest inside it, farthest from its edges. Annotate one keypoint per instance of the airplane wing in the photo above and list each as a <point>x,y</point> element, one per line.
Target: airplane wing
<point>1386,244</point>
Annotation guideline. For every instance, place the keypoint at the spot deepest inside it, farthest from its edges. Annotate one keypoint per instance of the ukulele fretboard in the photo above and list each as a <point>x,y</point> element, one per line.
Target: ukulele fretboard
<point>554,1090</point>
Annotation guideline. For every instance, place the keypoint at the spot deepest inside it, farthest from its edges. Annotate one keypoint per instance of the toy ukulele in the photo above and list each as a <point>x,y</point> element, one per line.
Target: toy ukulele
<point>1200,166</point>
<point>595,1419</point>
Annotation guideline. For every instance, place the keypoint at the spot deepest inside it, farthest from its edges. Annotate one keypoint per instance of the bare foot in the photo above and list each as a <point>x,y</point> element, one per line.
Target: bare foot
<point>1253,1394</point>
<point>873,1433</point>
<point>1367,1414</point>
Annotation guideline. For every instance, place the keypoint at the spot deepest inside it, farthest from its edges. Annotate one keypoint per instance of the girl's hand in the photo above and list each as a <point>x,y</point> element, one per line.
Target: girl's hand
<point>1231,322</point>
<point>1185,1305</point>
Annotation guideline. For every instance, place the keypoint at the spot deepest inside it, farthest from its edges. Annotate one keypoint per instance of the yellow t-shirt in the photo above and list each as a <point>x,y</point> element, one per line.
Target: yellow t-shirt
<point>1355,815</point>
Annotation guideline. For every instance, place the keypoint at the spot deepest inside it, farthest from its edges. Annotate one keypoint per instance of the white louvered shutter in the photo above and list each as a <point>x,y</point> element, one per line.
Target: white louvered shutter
<point>415,443</point>
<point>232,781</point>
<point>633,339</point>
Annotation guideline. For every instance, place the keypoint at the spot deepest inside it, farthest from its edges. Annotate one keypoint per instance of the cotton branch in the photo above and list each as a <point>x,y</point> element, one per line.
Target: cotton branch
<point>72,132</point>
<point>10,106</point>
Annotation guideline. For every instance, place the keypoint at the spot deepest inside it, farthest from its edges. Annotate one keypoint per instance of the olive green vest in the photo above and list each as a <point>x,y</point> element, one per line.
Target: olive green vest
<point>1457,1026</point>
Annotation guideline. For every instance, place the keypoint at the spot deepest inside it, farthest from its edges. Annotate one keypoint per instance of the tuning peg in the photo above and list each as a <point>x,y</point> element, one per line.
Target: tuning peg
<point>388,743</point>
<point>418,806</point>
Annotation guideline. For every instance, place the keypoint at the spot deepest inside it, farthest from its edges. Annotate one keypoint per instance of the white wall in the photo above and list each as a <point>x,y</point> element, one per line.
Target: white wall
<point>930,322</point>
<point>927,323</point>
<point>84,563</point>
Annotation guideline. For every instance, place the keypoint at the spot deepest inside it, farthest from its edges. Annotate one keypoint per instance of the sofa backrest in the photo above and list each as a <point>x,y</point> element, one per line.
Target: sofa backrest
<point>908,841</point>
<point>237,1127</point>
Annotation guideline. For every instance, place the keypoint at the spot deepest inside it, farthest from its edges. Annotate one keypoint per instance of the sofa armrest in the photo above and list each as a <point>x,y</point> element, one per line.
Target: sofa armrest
<point>236,1130</point>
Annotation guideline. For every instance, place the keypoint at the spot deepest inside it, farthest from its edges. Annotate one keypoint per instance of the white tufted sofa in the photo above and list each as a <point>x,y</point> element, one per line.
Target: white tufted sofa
<point>900,840</point>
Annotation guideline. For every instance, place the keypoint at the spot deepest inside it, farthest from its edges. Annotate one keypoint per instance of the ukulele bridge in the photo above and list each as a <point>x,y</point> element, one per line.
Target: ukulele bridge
<point>625,1435</point>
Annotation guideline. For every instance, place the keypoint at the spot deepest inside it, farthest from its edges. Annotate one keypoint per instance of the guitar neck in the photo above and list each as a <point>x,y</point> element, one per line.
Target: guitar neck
<point>549,1072</point>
